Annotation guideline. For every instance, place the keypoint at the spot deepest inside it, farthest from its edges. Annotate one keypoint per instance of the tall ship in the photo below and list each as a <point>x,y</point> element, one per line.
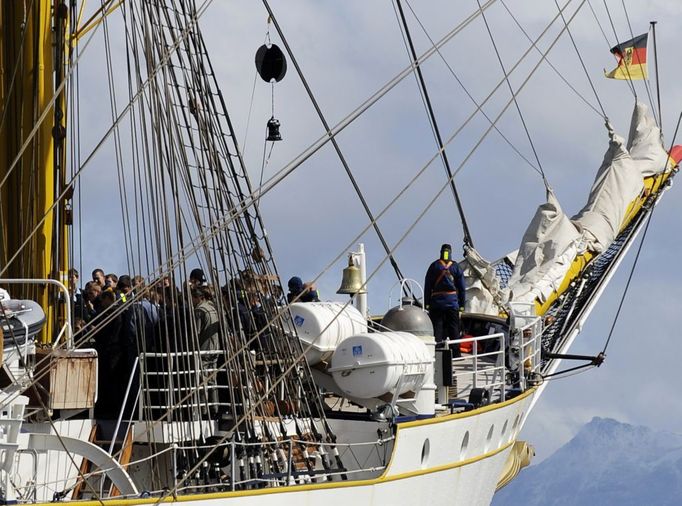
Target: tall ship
<point>195,377</point>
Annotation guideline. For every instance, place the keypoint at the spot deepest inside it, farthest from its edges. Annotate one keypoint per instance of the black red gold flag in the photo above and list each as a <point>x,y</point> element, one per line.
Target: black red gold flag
<point>631,59</point>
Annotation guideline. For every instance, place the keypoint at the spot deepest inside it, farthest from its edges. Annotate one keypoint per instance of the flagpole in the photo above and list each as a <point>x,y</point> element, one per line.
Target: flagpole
<point>658,88</point>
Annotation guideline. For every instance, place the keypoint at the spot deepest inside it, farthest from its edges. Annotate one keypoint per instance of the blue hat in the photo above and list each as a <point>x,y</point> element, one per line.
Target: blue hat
<point>295,284</point>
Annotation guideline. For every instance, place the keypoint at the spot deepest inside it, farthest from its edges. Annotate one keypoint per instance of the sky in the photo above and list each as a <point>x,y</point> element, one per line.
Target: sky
<point>347,51</point>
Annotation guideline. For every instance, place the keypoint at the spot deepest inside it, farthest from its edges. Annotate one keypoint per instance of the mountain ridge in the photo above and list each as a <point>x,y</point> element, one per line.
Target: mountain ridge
<point>608,463</point>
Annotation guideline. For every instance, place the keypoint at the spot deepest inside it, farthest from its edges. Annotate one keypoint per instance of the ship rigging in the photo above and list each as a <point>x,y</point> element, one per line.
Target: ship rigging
<point>144,402</point>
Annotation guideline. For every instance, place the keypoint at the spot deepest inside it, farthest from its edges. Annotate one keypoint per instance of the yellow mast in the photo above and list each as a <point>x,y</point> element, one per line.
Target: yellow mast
<point>32,175</point>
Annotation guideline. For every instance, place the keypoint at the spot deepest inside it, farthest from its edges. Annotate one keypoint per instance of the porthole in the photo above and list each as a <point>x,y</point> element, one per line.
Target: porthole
<point>489,439</point>
<point>504,431</point>
<point>520,421</point>
<point>465,446</point>
<point>516,422</point>
<point>426,449</point>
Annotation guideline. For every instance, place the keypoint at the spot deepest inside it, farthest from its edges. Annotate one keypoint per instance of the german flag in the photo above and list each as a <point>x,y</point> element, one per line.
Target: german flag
<point>631,59</point>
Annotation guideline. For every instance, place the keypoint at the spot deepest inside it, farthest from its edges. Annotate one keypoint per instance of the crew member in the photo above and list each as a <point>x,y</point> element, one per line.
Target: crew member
<point>444,296</point>
<point>300,292</point>
<point>197,278</point>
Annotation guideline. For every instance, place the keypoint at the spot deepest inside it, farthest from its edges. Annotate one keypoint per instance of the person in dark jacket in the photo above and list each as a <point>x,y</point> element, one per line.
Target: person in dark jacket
<point>304,291</point>
<point>207,320</point>
<point>445,296</point>
<point>111,357</point>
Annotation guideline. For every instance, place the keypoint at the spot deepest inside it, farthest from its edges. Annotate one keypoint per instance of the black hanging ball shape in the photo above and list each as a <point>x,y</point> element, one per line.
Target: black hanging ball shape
<point>271,63</point>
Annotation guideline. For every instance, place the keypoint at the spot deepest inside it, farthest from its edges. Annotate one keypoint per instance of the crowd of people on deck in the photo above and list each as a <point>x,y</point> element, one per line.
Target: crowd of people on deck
<point>159,316</point>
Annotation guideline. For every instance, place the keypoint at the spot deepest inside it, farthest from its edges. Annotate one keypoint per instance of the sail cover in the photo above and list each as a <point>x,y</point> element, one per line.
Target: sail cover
<point>552,240</point>
<point>548,248</point>
<point>485,293</point>
<point>620,179</point>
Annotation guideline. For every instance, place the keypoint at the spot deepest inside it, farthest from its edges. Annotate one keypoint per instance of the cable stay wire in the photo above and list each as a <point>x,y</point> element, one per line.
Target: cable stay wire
<point>421,83</point>
<point>639,249</point>
<point>479,106</point>
<point>248,117</point>
<point>371,275</point>
<point>516,102</point>
<point>582,63</point>
<point>627,284</point>
<point>291,166</point>
<point>253,93</point>
<point>567,373</point>
<point>335,144</point>
<point>551,65</point>
<point>205,235</point>
<point>132,101</point>
<point>658,82</point>
<point>523,83</point>
<point>468,93</point>
<point>601,28</point>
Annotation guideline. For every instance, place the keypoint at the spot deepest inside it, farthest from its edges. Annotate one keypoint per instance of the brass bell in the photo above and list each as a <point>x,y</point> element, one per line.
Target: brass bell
<point>351,284</point>
<point>273,130</point>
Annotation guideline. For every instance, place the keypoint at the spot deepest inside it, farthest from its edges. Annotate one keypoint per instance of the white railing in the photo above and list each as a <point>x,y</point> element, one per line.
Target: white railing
<point>480,369</point>
<point>526,340</point>
<point>179,381</point>
<point>281,466</point>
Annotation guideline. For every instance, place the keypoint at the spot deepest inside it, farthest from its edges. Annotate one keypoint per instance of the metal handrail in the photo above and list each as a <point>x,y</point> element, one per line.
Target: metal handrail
<point>170,388</point>
<point>497,367</point>
<point>68,327</point>
<point>529,346</point>
<point>402,282</point>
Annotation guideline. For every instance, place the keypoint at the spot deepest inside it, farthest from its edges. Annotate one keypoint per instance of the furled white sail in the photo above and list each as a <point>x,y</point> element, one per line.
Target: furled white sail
<point>550,244</point>
<point>620,179</point>
<point>552,240</point>
<point>484,293</point>
<point>645,142</point>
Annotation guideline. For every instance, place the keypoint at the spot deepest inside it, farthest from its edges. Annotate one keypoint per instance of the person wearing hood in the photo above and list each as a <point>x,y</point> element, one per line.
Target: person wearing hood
<point>301,292</point>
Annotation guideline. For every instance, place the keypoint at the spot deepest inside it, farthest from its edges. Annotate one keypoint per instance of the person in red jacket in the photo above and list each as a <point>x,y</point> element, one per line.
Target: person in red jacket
<point>445,296</point>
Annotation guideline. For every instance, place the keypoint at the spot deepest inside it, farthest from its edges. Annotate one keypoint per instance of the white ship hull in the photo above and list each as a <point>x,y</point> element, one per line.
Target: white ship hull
<point>455,459</point>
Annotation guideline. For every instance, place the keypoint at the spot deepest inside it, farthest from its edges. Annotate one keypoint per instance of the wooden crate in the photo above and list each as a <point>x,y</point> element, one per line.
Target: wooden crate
<point>70,381</point>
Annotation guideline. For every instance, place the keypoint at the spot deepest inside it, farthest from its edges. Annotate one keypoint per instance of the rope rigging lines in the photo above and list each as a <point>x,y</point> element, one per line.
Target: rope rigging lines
<point>468,241</point>
<point>186,198</point>
<point>511,91</point>
<point>195,152</point>
<point>335,144</point>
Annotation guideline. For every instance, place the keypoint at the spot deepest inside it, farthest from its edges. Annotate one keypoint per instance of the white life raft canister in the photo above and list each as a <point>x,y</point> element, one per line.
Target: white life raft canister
<point>372,364</point>
<point>323,325</point>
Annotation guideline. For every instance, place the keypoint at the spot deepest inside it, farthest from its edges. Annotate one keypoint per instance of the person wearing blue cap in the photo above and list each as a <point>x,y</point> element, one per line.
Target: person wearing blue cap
<point>445,296</point>
<point>301,292</point>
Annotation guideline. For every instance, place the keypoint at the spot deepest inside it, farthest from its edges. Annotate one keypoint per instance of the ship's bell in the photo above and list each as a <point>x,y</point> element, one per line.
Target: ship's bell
<point>273,130</point>
<point>351,284</point>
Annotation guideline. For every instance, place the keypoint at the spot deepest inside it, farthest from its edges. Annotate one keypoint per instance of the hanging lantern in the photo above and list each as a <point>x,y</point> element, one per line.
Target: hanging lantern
<point>273,130</point>
<point>271,63</point>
